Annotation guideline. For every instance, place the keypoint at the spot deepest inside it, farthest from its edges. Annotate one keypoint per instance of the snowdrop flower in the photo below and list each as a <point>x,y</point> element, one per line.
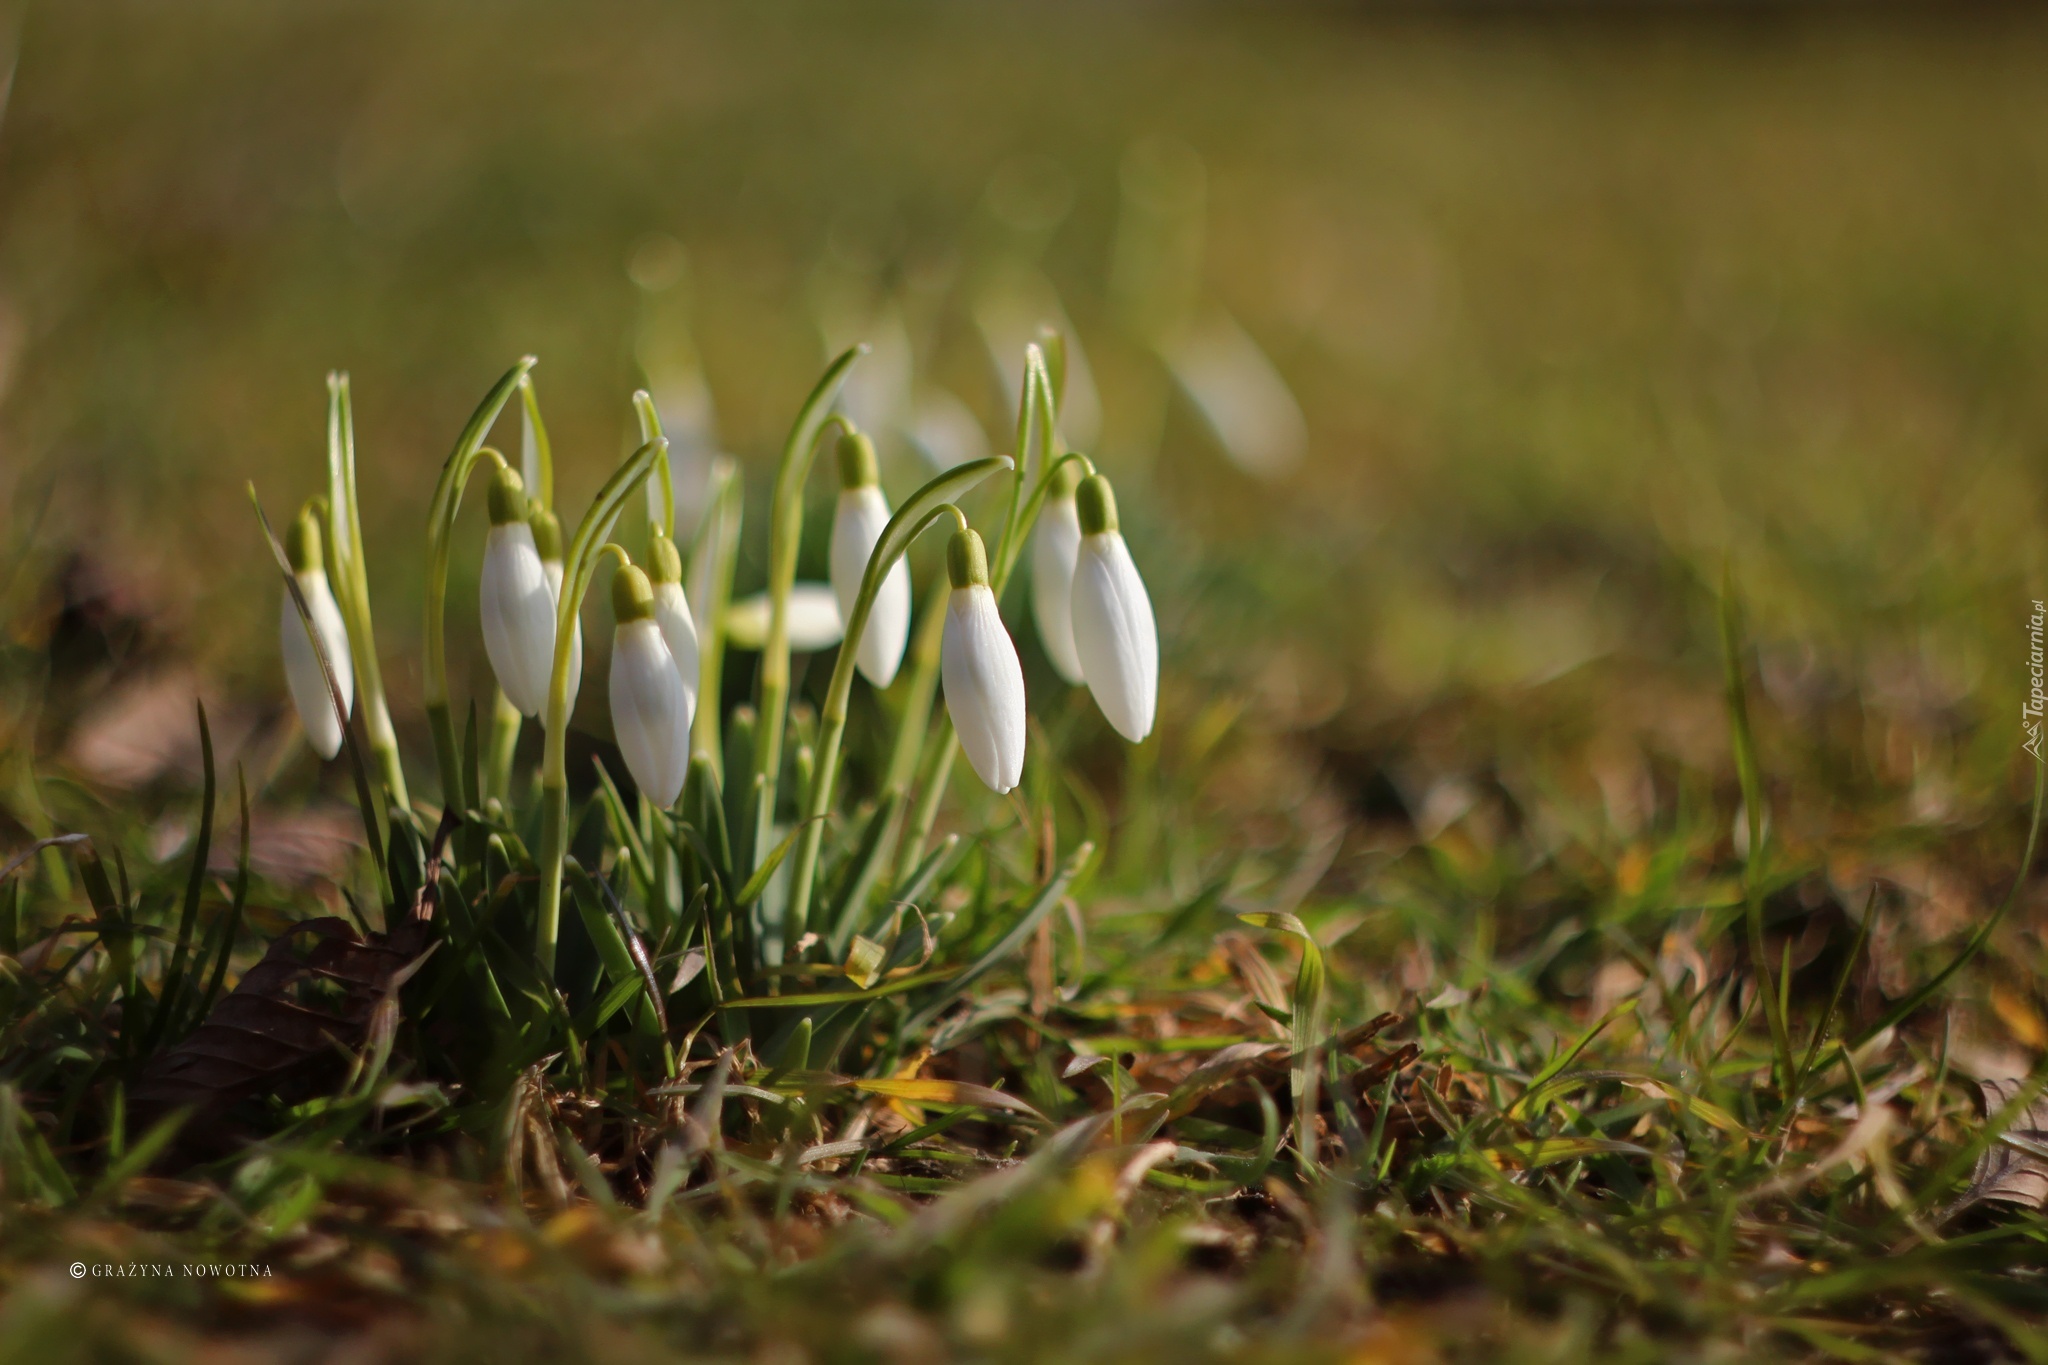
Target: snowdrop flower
<point>814,622</point>
<point>1055,546</point>
<point>1114,634</point>
<point>517,603</point>
<point>978,664</point>
<point>547,541</point>
<point>302,671</point>
<point>863,514</point>
<point>672,608</point>
<point>651,711</point>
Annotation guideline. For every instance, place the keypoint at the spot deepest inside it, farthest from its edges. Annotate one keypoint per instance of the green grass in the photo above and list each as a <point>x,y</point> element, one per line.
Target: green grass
<point>1601,327</point>
<point>1621,1108</point>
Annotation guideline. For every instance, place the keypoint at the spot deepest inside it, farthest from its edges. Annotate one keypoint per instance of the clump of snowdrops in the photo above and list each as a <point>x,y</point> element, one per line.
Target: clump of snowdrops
<point>736,869</point>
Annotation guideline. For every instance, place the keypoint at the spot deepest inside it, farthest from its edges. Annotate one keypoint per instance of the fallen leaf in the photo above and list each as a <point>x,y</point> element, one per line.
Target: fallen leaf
<point>2011,1170</point>
<point>316,995</point>
<point>946,1092</point>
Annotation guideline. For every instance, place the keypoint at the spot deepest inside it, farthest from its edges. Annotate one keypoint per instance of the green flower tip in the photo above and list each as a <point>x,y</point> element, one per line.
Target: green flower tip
<point>966,559</point>
<point>547,534</point>
<point>302,541</point>
<point>1096,504</point>
<point>632,595</point>
<point>1066,476</point>
<point>664,561</point>
<point>857,467</point>
<point>508,497</point>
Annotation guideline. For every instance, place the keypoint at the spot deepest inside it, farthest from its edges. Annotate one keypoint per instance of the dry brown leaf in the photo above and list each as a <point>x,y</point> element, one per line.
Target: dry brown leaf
<point>2011,1170</point>
<point>314,997</point>
<point>945,1092</point>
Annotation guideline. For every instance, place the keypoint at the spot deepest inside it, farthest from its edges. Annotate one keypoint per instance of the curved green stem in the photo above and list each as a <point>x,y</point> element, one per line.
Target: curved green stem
<point>785,536</point>
<point>440,528</point>
<point>352,583</point>
<point>927,505</point>
<point>650,429</point>
<point>578,568</point>
<point>1034,504</point>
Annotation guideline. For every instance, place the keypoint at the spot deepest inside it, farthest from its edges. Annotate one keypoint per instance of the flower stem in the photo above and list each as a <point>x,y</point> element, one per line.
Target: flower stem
<point>440,528</point>
<point>579,567</point>
<point>785,537</point>
<point>650,428</point>
<point>352,583</point>
<point>922,687</point>
<point>712,556</point>
<point>504,744</point>
<point>927,505</point>
<point>1041,394</point>
<point>940,750</point>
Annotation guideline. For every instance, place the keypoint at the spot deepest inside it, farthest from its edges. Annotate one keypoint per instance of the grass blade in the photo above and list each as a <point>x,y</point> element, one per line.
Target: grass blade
<point>1046,901</point>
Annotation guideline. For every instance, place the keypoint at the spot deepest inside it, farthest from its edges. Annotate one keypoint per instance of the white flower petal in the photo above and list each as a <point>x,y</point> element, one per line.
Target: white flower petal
<point>650,711</point>
<point>553,569</point>
<point>1115,636</point>
<point>984,687</point>
<point>518,611</point>
<point>302,672</point>
<point>863,514</point>
<point>814,622</point>
<point>1055,546</point>
<point>678,632</point>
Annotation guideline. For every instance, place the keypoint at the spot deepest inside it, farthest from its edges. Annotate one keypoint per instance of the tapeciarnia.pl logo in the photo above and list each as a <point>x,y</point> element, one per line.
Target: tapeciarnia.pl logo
<point>2037,694</point>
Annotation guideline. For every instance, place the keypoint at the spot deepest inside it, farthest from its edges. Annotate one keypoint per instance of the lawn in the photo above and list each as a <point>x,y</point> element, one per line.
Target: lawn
<point>1576,901</point>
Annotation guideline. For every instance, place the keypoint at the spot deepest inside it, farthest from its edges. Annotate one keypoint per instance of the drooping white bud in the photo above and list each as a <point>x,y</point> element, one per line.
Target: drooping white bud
<point>984,683</point>
<point>672,609</point>
<point>856,530</point>
<point>547,541</point>
<point>302,673</point>
<point>516,601</point>
<point>1115,636</point>
<point>651,713</point>
<point>1055,547</point>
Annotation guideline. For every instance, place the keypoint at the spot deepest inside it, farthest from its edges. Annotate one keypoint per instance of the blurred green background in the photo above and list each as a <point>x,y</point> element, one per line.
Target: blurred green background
<point>1574,310</point>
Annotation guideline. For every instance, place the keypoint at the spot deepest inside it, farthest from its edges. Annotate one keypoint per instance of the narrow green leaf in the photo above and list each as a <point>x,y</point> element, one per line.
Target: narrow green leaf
<point>864,869</point>
<point>908,983</point>
<point>171,1000</point>
<point>1570,1054</point>
<point>1046,901</point>
<point>756,884</point>
<point>622,825</point>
